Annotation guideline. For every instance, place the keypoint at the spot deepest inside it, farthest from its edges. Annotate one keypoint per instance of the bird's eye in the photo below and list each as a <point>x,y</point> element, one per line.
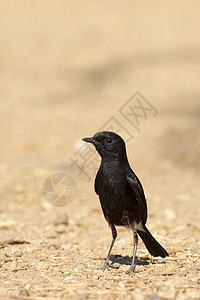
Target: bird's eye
<point>108,140</point>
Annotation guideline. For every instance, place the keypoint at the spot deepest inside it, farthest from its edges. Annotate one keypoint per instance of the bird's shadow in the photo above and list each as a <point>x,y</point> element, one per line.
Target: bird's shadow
<point>127,260</point>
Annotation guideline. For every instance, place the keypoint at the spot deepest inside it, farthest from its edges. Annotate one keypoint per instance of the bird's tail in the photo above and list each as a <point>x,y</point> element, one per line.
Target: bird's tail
<point>152,245</point>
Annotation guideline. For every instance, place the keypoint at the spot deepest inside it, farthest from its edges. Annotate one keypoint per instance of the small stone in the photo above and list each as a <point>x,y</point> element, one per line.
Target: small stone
<point>53,245</point>
<point>61,219</point>
<point>168,272</point>
<point>160,261</point>
<point>7,224</point>
<point>198,268</point>
<point>37,243</point>
<point>115,265</point>
<point>60,228</point>
<point>153,297</point>
<point>66,247</point>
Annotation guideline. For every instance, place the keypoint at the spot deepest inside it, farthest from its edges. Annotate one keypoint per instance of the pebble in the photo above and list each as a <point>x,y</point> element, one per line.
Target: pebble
<point>198,268</point>
<point>153,297</point>
<point>116,265</point>
<point>7,224</point>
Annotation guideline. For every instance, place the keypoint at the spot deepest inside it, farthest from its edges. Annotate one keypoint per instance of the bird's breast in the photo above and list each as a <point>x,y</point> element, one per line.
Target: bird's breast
<point>117,201</point>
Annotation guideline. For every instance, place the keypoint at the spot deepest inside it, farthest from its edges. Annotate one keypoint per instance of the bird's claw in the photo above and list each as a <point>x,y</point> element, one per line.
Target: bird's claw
<point>130,271</point>
<point>105,266</point>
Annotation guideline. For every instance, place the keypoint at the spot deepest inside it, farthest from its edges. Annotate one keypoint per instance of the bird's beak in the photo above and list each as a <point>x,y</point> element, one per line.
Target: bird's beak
<point>88,140</point>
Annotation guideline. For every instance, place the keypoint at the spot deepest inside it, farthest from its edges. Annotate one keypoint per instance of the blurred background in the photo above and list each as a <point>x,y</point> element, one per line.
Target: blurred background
<point>67,67</point>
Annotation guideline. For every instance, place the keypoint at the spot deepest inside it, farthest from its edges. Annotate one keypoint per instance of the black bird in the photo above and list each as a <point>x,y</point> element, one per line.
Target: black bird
<point>121,194</point>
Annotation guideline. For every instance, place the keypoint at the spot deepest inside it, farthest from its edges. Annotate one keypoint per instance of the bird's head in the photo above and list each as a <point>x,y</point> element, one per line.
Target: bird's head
<point>108,144</point>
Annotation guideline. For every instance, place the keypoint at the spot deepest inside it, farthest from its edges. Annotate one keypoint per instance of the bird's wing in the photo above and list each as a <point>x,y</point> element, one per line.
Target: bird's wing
<point>137,190</point>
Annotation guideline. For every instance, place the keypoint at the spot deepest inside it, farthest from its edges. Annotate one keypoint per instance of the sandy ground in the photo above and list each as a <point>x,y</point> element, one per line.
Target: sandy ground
<point>68,70</point>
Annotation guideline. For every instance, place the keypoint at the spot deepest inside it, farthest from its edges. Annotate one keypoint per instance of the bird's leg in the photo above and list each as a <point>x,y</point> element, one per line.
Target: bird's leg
<point>135,242</point>
<point>114,235</point>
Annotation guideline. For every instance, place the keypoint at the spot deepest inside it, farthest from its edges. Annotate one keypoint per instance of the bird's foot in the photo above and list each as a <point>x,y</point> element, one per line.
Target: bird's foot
<point>105,266</point>
<point>131,270</point>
